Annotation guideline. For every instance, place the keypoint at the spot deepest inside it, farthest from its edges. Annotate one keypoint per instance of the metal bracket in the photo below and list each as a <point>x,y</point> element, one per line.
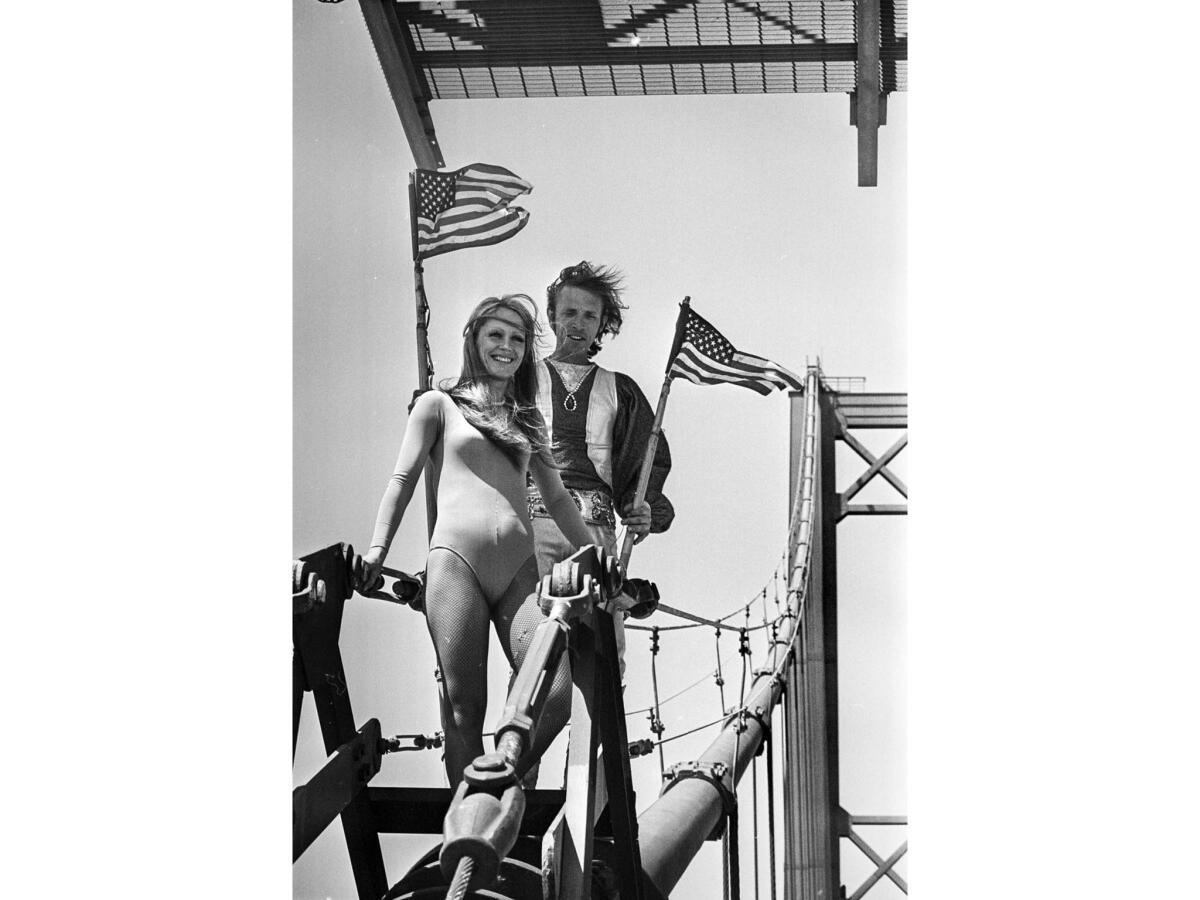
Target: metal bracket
<point>715,773</point>
<point>757,715</point>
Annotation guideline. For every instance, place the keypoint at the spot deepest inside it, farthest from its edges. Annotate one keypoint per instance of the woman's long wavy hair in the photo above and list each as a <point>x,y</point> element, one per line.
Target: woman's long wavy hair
<point>515,425</point>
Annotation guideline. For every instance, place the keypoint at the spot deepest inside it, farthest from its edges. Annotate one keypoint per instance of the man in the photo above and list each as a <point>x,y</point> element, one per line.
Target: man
<point>599,423</point>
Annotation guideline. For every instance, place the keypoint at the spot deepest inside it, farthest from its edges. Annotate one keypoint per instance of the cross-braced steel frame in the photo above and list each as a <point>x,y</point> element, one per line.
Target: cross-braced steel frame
<point>814,820</point>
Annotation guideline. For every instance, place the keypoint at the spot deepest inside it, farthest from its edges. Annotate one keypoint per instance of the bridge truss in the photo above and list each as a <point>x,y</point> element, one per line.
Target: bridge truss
<point>585,48</point>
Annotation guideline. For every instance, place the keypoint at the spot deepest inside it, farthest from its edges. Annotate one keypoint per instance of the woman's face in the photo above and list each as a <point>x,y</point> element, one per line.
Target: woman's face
<point>501,344</point>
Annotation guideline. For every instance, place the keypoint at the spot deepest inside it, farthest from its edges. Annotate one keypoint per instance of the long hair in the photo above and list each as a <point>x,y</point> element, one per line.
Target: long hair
<point>514,424</point>
<point>603,281</point>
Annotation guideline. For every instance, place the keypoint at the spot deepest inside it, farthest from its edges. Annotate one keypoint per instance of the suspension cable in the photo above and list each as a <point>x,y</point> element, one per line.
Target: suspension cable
<point>699,681</point>
<point>656,724</point>
<point>754,814</point>
<point>718,675</point>
<point>771,808</point>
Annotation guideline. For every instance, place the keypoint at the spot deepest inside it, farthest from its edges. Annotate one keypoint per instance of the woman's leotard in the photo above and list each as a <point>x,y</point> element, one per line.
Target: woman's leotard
<point>482,516</point>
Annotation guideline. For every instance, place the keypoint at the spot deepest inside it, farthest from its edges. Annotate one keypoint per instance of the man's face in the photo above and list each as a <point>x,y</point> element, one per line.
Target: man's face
<point>578,318</point>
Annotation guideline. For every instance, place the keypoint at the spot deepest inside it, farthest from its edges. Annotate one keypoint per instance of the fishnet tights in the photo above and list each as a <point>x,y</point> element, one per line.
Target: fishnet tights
<point>458,616</point>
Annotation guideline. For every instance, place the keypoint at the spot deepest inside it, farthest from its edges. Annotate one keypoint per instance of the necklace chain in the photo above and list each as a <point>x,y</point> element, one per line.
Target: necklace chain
<point>570,404</point>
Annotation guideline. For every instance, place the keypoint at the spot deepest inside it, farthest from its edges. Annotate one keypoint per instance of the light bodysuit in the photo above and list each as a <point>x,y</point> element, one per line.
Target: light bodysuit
<point>483,515</point>
<point>481,566</point>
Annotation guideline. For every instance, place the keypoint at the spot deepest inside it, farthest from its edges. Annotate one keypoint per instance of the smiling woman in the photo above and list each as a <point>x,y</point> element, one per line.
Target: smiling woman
<point>501,345</point>
<point>481,435</point>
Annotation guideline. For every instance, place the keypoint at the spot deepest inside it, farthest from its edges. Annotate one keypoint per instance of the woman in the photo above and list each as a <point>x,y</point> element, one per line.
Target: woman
<point>482,435</point>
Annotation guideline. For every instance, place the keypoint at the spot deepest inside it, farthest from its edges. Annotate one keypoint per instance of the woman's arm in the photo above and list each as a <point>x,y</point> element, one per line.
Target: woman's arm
<point>424,428</point>
<point>559,504</point>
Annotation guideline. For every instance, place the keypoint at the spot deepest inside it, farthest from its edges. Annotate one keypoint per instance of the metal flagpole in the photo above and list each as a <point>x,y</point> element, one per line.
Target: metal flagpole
<point>424,362</point>
<point>424,381</point>
<point>652,444</point>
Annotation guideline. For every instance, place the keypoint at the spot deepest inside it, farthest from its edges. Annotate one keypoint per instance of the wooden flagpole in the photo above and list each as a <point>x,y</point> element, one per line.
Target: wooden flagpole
<point>655,430</point>
<point>424,363</point>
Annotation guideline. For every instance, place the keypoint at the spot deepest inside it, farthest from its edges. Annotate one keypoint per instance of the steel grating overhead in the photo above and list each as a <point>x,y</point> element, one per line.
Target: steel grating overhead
<point>583,48</point>
<point>593,48</point>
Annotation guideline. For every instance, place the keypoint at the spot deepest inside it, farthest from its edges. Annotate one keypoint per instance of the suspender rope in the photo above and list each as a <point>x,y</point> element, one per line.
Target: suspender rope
<point>731,832</point>
<point>771,805</point>
<point>719,675</point>
<point>754,761</point>
<point>656,724</point>
<point>754,812</point>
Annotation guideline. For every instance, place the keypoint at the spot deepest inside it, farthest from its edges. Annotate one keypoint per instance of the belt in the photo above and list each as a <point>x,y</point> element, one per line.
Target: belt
<point>596,507</point>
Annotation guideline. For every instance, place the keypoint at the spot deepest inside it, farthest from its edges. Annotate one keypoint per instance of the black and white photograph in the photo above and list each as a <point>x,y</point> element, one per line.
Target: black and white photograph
<point>650,259</point>
<point>563,352</point>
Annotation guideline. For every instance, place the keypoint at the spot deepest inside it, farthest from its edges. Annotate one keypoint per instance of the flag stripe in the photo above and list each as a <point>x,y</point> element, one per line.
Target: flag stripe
<point>467,208</point>
<point>446,220</point>
<point>765,365</point>
<point>706,364</point>
<point>496,238</point>
<point>679,370</point>
<point>476,226</point>
<point>459,238</point>
<point>480,238</point>
<point>703,370</point>
<point>705,356</point>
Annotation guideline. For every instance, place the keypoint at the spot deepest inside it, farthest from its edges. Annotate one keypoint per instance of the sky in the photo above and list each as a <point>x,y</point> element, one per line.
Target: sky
<point>747,204</point>
<point>154,432</point>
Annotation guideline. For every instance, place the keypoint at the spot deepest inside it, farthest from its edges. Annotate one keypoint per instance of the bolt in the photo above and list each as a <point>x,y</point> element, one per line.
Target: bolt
<point>492,762</point>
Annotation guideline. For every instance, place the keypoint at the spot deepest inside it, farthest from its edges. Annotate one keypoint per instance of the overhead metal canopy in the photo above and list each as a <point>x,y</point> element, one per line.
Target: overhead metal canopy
<point>586,48</point>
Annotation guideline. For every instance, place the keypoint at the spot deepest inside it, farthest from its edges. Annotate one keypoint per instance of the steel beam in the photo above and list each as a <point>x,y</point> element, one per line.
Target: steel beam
<point>539,57</point>
<point>617,777</point>
<point>877,820</point>
<point>872,509</point>
<point>829,805</point>
<point>874,857</point>
<point>874,410</point>
<point>315,641</point>
<point>298,689</point>
<point>883,869</point>
<point>316,804</point>
<point>877,466</point>
<point>575,849</point>
<point>811,807</point>
<point>869,458</point>
<point>394,49</point>
<point>866,102</point>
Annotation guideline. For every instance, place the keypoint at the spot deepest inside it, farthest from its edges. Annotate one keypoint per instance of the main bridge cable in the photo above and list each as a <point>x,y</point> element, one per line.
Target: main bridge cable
<point>667,849</point>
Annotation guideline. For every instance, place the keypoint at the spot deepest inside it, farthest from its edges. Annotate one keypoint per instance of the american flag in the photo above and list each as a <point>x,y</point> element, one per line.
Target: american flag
<point>467,208</point>
<point>703,355</point>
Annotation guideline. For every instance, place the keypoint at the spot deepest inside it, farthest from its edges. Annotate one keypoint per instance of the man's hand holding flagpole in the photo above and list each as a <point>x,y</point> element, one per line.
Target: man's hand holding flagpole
<point>703,355</point>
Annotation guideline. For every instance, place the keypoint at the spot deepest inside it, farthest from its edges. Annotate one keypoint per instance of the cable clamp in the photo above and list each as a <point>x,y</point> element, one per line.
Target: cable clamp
<point>718,774</point>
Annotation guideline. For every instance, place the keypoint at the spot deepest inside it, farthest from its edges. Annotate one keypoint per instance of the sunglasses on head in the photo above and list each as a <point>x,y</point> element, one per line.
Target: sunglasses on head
<point>570,273</point>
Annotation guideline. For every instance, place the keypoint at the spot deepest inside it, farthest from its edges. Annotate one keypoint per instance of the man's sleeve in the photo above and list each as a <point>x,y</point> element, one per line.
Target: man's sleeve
<point>631,433</point>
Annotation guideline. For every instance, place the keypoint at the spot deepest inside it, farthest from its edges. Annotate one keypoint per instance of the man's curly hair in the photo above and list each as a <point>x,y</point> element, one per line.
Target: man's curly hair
<point>605,282</point>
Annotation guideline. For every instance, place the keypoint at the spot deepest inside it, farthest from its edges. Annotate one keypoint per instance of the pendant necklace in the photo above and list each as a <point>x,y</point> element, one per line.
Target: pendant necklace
<point>570,404</point>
